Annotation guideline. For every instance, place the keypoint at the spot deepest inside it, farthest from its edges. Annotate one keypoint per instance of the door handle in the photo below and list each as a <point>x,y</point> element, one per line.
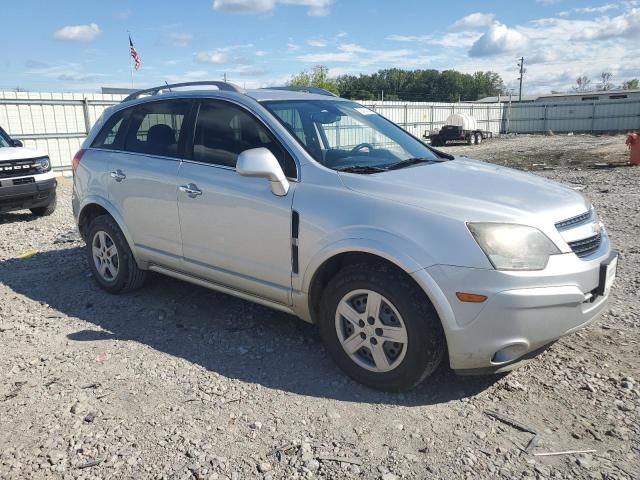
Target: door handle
<point>118,175</point>
<point>191,189</point>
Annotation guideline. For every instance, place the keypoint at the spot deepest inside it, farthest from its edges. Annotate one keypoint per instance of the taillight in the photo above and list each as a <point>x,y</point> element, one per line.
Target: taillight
<point>76,160</point>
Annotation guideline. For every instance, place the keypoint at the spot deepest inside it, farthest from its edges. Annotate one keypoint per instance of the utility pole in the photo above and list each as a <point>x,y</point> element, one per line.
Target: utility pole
<point>522,70</point>
<point>224,76</point>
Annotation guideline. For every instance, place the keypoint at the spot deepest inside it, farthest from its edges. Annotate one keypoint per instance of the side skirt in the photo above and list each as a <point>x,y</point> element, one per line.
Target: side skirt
<point>222,288</point>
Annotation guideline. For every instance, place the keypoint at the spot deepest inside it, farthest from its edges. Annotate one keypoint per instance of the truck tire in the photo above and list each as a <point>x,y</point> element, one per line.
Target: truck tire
<point>471,139</point>
<point>47,209</point>
<point>478,138</point>
<point>394,340</point>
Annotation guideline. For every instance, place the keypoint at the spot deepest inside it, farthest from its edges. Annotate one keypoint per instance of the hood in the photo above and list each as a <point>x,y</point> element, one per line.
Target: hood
<point>470,190</point>
<point>19,153</point>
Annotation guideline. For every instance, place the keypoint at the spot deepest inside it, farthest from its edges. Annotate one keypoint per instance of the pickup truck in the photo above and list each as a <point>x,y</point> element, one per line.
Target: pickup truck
<point>26,179</point>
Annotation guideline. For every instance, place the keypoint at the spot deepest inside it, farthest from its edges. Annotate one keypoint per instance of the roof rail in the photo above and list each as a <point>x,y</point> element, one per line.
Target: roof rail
<point>225,86</point>
<point>318,91</point>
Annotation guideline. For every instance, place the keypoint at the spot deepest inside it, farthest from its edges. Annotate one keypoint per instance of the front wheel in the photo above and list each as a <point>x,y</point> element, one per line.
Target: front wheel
<point>380,328</point>
<point>47,209</point>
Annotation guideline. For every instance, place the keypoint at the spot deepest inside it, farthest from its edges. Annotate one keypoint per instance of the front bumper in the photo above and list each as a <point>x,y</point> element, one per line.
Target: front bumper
<point>39,193</point>
<point>524,311</point>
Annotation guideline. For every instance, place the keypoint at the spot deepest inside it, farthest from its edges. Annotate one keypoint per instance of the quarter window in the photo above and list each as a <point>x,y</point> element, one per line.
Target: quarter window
<point>156,128</point>
<point>224,130</point>
<point>113,132</point>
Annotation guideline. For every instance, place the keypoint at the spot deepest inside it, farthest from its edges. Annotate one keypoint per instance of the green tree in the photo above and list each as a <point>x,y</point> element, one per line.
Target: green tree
<point>632,84</point>
<point>318,77</point>
<point>420,85</point>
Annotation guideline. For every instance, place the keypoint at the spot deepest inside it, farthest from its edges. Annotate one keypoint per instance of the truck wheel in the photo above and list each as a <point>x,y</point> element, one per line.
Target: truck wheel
<point>471,139</point>
<point>478,138</point>
<point>47,209</point>
<point>110,258</point>
<point>380,328</point>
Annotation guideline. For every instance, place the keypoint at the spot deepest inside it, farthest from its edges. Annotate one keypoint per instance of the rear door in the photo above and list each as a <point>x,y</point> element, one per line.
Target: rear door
<point>235,231</point>
<point>143,179</point>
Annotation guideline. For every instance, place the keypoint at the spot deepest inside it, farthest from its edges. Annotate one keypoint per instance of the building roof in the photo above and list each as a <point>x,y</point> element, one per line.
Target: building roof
<point>534,98</point>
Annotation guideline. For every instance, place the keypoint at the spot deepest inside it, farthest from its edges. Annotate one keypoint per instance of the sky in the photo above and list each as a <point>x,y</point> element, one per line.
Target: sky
<point>80,45</point>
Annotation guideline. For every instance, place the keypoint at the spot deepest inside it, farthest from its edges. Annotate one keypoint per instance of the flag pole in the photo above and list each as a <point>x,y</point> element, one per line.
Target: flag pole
<point>130,60</point>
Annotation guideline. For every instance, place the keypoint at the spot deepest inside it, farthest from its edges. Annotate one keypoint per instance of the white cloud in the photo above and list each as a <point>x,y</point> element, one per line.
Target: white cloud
<point>317,43</point>
<point>65,71</point>
<point>626,25</point>
<point>548,2</point>
<point>351,52</point>
<point>498,39</point>
<point>449,40</point>
<point>316,7</point>
<point>292,47</point>
<point>601,9</point>
<point>180,39</point>
<point>473,21</point>
<point>78,33</point>
<point>214,57</point>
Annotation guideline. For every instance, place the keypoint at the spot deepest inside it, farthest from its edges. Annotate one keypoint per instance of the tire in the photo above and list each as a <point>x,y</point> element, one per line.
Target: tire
<point>403,305</point>
<point>47,209</point>
<point>121,273</point>
<point>478,138</point>
<point>471,139</point>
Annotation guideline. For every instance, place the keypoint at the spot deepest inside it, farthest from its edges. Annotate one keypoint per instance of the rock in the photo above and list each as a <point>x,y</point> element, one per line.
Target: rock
<point>312,464</point>
<point>264,467</point>
<point>389,476</point>
<point>255,426</point>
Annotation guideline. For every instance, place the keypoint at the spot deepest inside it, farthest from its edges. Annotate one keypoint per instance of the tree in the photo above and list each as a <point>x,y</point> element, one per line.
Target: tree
<point>318,77</point>
<point>605,81</point>
<point>420,85</point>
<point>582,84</point>
<point>632,84</point>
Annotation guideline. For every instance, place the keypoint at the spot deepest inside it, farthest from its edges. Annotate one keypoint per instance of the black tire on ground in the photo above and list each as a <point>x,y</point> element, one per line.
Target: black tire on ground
<point>129,277</point>
<point>478,138</point>
<point>426,344</point>
<point>471,139</point>
<point>47,209</point>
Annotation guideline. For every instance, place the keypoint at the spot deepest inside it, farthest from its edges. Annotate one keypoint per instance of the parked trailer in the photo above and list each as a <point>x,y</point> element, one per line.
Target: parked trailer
<point>458,127</point>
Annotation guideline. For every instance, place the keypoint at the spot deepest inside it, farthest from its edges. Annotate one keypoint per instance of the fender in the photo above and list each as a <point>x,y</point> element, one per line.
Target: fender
<point>115,214</point>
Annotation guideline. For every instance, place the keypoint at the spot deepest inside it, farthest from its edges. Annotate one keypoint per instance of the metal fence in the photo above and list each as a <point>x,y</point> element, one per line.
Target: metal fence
<point>58,122</point>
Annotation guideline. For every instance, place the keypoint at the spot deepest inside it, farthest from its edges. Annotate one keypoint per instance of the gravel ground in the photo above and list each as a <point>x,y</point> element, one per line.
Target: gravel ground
<point>178,382</point>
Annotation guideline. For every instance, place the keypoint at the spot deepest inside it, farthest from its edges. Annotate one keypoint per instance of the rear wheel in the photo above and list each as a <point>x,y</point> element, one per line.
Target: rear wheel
<point>110,258</point>
<point>471,139</point>
<point>380,328</point>
<point>47,209</point>
<point>478,138</point>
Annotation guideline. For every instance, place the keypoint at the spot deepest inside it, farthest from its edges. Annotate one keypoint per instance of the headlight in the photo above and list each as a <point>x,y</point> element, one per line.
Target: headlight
<point>513,247</point>
<point>43,164</point>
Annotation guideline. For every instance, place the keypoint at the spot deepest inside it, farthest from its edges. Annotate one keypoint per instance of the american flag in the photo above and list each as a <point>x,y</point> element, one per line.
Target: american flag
<point>134,55</point>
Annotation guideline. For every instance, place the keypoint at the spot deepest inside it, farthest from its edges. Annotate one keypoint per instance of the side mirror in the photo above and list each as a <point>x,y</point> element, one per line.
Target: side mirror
<point>18,143</point>
<point>260,162</point>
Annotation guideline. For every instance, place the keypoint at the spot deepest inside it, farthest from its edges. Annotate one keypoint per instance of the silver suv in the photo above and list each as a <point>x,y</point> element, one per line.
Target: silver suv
<point>316,206</point>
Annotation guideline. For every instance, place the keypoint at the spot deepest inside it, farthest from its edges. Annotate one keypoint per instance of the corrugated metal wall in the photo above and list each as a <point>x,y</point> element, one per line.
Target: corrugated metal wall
<point>55,123</point>
<point>58,122</point>
<point>594,116</point>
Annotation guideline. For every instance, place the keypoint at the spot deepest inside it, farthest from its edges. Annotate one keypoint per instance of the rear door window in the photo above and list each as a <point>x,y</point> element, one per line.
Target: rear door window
<point>157,128</point>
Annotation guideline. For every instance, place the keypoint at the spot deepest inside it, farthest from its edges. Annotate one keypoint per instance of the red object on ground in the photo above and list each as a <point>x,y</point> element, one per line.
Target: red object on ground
<point>633,141</point>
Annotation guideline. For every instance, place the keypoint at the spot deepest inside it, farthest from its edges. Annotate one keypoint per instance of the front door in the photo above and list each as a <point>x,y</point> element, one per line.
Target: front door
<point>143,180</point>
<point>235,232</point>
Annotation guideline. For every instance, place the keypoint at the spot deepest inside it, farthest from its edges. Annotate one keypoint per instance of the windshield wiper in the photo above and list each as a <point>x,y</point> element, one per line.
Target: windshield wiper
<point>408,162</point>
<point>362,169</point>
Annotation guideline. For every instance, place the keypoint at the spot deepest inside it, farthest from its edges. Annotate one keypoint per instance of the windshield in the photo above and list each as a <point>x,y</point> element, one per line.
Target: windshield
<point>343,135</point>
<point>5,141</point>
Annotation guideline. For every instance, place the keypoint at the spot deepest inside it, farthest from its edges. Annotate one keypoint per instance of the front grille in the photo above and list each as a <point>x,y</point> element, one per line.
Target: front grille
<point>24,181</point>
<point>18,168</point>
<point>573,221</point>
<point>586,246</point>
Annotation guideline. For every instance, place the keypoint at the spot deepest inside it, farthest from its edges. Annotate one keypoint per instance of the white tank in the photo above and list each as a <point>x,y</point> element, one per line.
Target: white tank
<point>467,122</point>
